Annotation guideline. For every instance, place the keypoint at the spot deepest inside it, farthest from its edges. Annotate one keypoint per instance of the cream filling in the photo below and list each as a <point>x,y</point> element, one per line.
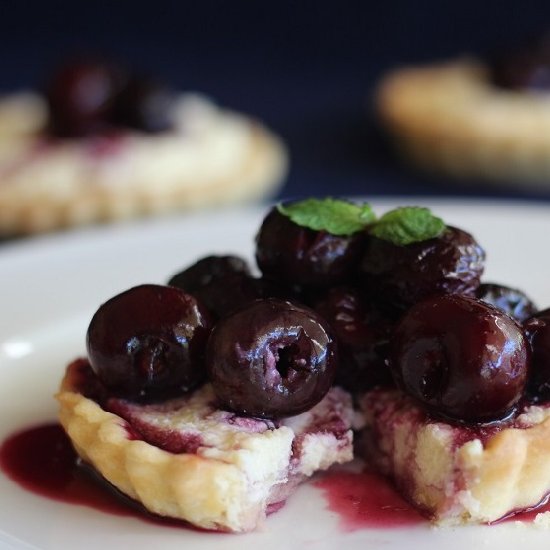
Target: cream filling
<point>264,451</point>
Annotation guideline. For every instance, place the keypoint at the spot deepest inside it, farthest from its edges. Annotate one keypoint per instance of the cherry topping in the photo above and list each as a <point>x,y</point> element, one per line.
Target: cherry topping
<point>510,300</point>
<point>403,275</point>
<point>91,97</point>
<point>271,359</point>
<point>537,329</point>
<point>524,68</point>
<point>81,96</point>
<point>461,358</point>
<point>209,269</point>
<point>224,283</point>
<point>144,104</point>
<point>149,342</point>
<point>363,334</point>
<point>296,255</point>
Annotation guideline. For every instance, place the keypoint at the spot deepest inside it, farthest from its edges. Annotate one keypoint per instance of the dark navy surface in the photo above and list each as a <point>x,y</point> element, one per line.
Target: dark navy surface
<point>306,68</point>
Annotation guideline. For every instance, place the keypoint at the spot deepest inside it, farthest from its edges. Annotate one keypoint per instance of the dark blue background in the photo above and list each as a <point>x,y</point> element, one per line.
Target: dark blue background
<point>306,68</point>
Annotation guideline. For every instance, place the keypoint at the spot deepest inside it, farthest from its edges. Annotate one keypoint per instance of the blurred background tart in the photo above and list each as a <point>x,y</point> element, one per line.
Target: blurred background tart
<point>479,117</point>
<point>101,142</point>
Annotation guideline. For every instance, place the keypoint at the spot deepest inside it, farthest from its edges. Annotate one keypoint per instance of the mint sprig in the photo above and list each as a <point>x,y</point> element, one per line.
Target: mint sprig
<point>335,216</point>
<point>401,226</point>
<point>408,224</point>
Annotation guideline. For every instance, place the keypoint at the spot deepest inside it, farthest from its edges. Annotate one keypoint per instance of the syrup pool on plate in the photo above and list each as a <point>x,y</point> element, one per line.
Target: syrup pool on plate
<point>42,460</point>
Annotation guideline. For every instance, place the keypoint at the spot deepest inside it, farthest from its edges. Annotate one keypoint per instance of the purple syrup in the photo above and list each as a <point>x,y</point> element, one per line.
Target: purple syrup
<point>366,500</point>
<point>42,460</point>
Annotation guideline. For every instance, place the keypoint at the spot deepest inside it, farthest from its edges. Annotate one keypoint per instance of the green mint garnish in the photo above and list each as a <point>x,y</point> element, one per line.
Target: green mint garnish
<point>407,225</point>
<point>335,216</point>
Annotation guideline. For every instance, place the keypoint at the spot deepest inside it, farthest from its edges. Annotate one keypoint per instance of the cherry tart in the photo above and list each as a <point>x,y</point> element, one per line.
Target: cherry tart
<point>100,143</point>
<point>211,398</point>
<point>456,118</point>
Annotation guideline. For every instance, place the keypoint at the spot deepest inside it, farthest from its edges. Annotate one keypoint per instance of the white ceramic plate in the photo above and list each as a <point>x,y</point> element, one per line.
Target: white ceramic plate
<point>50,288</point>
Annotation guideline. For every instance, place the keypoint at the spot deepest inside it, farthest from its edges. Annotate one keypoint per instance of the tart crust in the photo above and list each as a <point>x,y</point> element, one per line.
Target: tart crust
<point>449,118</point>
<point>227,486</point>
<point>212,157</point>
<point>456,474</point>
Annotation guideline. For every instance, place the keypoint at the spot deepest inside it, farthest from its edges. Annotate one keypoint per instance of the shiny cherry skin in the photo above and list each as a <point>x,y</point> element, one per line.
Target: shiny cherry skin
<point>461,358</point>
<point>81,96</point>
<point>144,105</point>
<point>295,255</point>
<point>537,329</point>
<point>403,275</point>
<point>149,342</point>
<point>271,359</point>
<point>234,291</point>
<point>363,333</point>
<point>513,302</point>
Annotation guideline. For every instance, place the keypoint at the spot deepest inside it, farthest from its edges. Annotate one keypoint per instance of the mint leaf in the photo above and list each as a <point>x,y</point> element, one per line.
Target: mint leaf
<point>408,224</point>
<point>335,216</point>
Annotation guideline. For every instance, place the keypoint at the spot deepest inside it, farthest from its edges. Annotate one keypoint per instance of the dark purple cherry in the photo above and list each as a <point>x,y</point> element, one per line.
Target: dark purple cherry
<point>81,96</point>
<point>537,329</point>
<point>363,334</point>
<point>207,270</point>
<point>510,300</point>
<point>149,342</point>
<point>145,105</point>
<point>224,283</point>
<point>526,67</point>
<point>462,358</point>
<point>295,255</point>
<point>403,275</point>
<point>235,291</point>
<point>271,359</point>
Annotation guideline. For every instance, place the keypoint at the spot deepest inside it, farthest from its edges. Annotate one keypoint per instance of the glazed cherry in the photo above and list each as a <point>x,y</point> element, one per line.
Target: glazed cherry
<point>537,329</point>
<point>510,300</point>
<point>296,255</point>
<point>524,68</point>
<point>149,342</point>
<point>225,296</point>
<point>363,334</point>
<point>461,358</point>
<point>271,359</point>
<point>224,283</point>
<point>81,96</point>
<point>145,105</point>
<point>403,275</point>
<point>208,270</point>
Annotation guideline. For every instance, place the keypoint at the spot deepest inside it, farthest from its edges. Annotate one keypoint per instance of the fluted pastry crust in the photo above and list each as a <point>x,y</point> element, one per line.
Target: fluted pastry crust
<point>213,157</point>
<point>455,474</point>
<point>229,481</point>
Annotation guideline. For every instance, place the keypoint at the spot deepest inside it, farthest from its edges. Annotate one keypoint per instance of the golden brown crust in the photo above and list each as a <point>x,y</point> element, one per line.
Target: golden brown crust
<point>46,186</point>
<point>473,481</point>
<point>226,490</point>
<point>450,118</point>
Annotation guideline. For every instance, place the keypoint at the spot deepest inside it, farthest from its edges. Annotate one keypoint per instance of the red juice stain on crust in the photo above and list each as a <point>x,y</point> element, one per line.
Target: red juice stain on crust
<point>42,460</point>
<point>366,500</point>
<point>528,515</point>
